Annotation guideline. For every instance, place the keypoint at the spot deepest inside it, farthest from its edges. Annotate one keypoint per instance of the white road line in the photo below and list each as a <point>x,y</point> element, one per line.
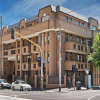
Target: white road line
<point>93,96</point>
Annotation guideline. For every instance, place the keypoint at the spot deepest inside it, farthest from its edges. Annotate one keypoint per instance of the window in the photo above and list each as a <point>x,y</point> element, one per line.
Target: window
<point>18,66</point>
<point>9,46</point>
<point>34,65</point>
<point>82,58</point>
<point>78,66</point>
<point>66,55</point>
<point>29,58</point>
<point>5,33</point>
<point>70,19</point>
<point>82,24</point>
<point>82,42</point>
<point>5,61</point>
<point>71,56</point>
<point>22,27</point>
<point>44,18</point>
<point>78,47</point>
<point>18,50</point>
<point>29,43</point>
<point>78,23</point>
<point>94,28</point>
<point>34,48</point>
<point>85,49</point>
<point>71,38</point>
<point>81,66</point>
<point>36,39</point>
<point>81,48</point>
<point>78,39</point>
<point>66,18</point>
<point>4,47</point>
<point>74,46</point>
<point>29,25</point>
<point>78,57</point>
<point>48,56</point>
<point>66,37</point>
<point>24,66</point>
<point>48,37</point>
<point>24,49</point>
<point>44,38</point>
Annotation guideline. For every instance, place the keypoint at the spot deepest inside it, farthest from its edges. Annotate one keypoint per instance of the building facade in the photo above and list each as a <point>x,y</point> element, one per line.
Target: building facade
<point>20,56</point>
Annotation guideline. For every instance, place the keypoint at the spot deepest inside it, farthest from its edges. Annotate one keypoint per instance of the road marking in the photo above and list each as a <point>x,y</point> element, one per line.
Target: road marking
<point>93,96</point>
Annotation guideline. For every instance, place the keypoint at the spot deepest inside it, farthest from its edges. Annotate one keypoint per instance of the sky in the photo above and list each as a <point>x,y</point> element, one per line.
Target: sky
<point>15,10</point>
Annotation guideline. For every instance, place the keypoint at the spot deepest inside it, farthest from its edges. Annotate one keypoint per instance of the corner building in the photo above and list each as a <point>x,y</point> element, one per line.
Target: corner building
<point>20,56</point>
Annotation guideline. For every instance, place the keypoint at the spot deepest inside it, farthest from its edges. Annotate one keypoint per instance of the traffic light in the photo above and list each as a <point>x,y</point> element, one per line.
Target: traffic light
<point>43,69</point>
<point>73,69</point>
<point>12,33</point>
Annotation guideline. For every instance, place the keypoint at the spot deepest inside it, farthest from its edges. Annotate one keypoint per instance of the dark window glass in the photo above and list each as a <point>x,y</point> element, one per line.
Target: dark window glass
<point>78,66</point>
<point>22,27</point>
<point>70,19</point>
<point>71,56</point>
<point>78,23</point>
<point>66,18</point>
<point>78,47</point>
<point>82,24</point>
<point>74,46</point>
<point>81,48</point>
<point>66,55</point>
<point>18,66</point>
<point>78,39</point>
<point>34,48</point>
<point>37,39</point>
<point>24,66</point>
<point>24,49</point>
<point>81,66</point>
<point>71,38</point>
<point>18,50</point>
<point>94,28</point>
<point>66,37</point>
<point>34,66</point>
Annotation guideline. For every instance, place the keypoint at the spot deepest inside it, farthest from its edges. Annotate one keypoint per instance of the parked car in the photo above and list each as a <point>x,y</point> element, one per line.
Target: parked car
<point>20,85</point>
<point>4,84</point>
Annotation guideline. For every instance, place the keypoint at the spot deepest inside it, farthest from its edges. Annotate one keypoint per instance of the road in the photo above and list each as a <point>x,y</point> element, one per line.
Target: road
<point>50,95</point>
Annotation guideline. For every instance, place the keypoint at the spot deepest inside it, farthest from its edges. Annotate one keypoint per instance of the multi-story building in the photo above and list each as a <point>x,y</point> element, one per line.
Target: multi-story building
<point>20,56</point>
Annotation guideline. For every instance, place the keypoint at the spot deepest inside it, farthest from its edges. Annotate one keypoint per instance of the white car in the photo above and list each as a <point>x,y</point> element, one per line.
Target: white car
<point>20,85</point>
<point>4,84</point>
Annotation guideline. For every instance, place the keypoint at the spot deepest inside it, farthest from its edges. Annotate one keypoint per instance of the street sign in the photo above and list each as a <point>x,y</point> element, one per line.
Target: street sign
<point>44,61</point>
<point>38,58</point>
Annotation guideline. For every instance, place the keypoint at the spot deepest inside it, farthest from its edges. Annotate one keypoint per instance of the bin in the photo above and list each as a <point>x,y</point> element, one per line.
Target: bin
<point>78,85</point>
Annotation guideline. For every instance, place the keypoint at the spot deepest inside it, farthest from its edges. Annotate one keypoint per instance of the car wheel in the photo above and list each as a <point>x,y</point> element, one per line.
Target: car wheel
<point>1,86</point>
<point>21,88</point>
<point>13,88</point>
<point>29,90</point>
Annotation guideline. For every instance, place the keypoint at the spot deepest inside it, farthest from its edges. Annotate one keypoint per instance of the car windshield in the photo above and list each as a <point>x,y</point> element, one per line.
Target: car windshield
<point>22,82</point>
<point>3,81</point>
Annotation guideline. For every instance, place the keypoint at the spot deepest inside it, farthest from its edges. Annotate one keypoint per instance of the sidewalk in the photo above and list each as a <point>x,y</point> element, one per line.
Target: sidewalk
<point>65,89</point>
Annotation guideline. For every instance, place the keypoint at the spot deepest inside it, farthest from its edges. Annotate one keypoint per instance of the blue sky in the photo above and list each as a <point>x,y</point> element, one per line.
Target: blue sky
<point>14,10</point>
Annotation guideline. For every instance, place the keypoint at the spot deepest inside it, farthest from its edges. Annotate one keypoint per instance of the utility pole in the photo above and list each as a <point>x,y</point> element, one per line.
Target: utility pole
<point>87,54</point>
<point>60,59</point>
<point>42,56</point>
<point>1,48</point>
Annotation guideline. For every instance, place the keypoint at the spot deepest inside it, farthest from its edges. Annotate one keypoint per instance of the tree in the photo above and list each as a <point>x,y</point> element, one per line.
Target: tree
<point>94,58</point>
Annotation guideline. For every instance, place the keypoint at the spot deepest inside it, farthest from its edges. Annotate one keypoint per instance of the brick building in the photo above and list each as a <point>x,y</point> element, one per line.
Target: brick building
<point>20,56</point>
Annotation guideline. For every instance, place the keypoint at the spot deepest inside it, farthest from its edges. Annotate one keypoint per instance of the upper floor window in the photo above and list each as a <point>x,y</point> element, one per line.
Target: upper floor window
<point>78,39</point>
<point>94,28</point>
<point>70,19</point>
<point>29,25</point>
<point>82,24</point>
<point>71,56</point>
<point>48,56</point>
<point>74,46</point>
<point>78,57</point>
<point>36,39</point>
<point>66,37</point>
<point>66,55</point>
<point>48,37</point>
<point>22,27</point>
<point>5,33</point>
<point>71,38</point>
<point>78,47</point>
<point>66,18</point>
<point>78,23</point>
<point>82,42</point>
<point>44,18</point>
<point>24,66</point>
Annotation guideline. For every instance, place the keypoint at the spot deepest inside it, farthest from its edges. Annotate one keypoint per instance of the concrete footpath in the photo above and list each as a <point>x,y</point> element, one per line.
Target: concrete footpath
<point>66,89</point>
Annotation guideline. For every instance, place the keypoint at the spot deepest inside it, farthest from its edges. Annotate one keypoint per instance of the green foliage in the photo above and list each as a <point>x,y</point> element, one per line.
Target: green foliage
<point>94,58</point>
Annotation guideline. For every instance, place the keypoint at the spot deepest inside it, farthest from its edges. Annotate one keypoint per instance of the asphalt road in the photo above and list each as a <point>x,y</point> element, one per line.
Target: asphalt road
<point>51,95</point>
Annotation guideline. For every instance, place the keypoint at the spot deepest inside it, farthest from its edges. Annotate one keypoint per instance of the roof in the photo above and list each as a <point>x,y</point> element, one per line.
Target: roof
<point>69,12</point>
<point>31,18</point>
<point>14,25</point>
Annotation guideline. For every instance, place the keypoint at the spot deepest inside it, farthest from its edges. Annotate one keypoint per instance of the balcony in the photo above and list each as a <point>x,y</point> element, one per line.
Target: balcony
<point>74,29</point>
<point>34,49</point>
<point>34,66</point>
<point>69,46</point>
<point>26,50</point>
<point>68,65</point>
<point>26,66</point>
